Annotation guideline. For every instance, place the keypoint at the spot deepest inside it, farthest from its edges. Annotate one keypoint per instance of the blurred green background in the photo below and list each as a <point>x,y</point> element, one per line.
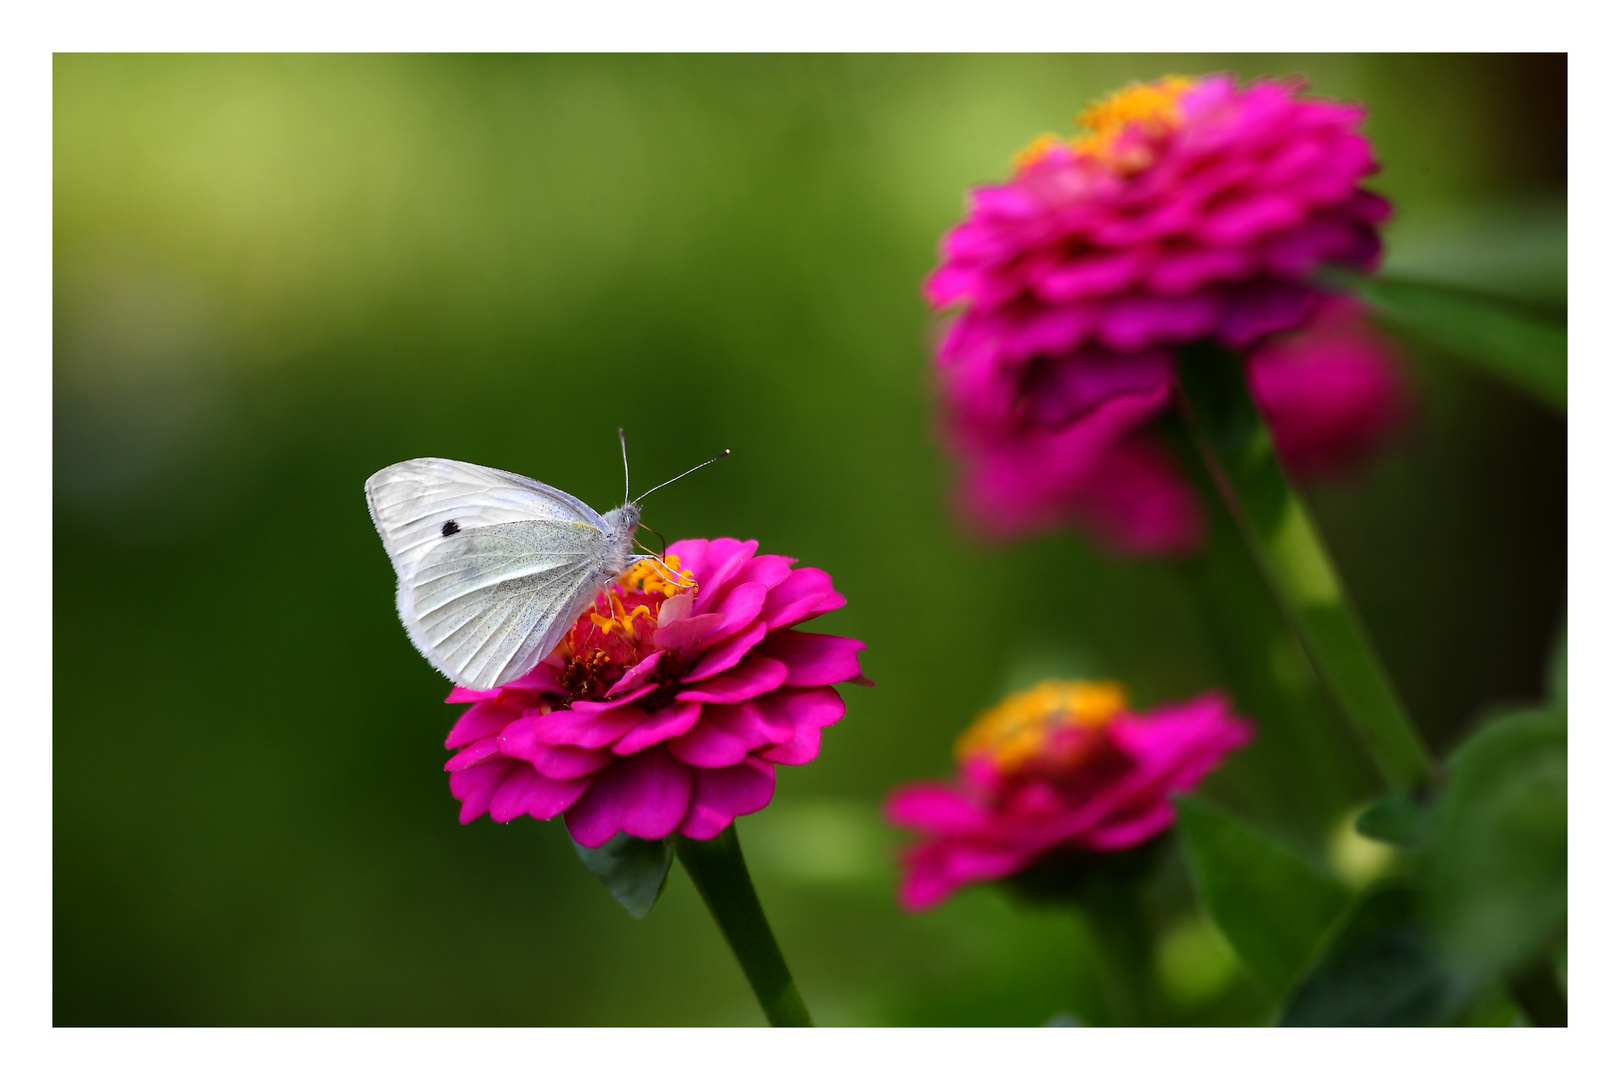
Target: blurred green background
<point>275,275</point>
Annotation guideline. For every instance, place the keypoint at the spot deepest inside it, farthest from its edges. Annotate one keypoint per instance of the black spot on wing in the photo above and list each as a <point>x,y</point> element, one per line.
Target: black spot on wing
<point>450,529</point>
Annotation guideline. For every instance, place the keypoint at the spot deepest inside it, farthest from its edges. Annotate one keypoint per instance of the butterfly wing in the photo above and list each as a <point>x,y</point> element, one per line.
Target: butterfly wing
<point>493,567</point>
<point>487,604</point>
<point>413,502</point>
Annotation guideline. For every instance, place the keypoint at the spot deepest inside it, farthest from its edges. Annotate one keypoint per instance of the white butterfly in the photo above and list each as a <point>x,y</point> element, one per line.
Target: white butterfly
<point>494,567</point>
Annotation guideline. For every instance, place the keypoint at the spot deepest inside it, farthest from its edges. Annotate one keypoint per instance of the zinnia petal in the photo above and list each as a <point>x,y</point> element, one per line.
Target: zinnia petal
<point>481,721</point>
<point>720,796</point>
<point>645,795</point>
<point>813,659</point>
<point>753,677</point>
<point>667,723</point>
<point>725,654</point>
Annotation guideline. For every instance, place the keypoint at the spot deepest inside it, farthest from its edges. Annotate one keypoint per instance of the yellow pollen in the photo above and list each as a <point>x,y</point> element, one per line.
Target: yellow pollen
<point>648,576</point>
<point>621,621</point>
<point>643,577</point>
<point>1020,727</point>
<point>1152,107</point>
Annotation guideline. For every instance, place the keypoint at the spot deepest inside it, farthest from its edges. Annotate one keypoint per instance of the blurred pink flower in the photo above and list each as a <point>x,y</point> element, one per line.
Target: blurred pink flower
<point>1190,210</point>
<point>1060,768</point>
<point>666,708</point>
<point>1332,394</point>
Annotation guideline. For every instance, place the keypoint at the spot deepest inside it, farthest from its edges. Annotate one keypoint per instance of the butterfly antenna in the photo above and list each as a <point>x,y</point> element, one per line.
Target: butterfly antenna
<point>624,451</point>
<point>688,472</point>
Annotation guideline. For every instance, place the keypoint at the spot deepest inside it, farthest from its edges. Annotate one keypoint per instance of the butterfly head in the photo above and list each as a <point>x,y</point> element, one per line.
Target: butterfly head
<point>624,519</point>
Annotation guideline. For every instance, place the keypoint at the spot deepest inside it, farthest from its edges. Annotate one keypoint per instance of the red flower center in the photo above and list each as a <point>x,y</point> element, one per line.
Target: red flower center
<point>617,634</point>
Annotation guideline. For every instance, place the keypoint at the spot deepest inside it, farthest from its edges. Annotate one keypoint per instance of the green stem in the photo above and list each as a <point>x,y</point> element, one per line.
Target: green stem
<point>1122,942</point>
<point>1538,994</point>
<point>721,876</point>
<point>1304,767</point>
<point>1237,450</point>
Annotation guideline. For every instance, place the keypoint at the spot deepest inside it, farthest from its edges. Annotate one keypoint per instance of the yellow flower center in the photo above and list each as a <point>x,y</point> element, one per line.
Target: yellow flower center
<point>1022,727</point>
<point>1153,108</point>
<point>648,576</point>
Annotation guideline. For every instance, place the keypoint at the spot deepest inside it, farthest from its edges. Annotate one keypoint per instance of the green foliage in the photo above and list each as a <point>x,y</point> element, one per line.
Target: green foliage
<point>634,870</point>
<point>1488,897</point>
<point>1273,907</point>
<point>1530,352</point>
<point>1397,819</point>
<point>1382,969</point>
<point>1497,881</point>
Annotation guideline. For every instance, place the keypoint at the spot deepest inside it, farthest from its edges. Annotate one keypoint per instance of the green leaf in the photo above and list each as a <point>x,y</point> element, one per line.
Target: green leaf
<point>634,870</point>
<point>1531,353</point>
<point>1497,883</point>
<point>1382,969</point>
<point>1273,907</point>
<point>1398,820</point>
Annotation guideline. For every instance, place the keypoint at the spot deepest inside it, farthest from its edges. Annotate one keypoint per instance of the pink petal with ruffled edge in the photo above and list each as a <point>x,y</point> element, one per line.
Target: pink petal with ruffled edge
<point>566,727</point>
<point>479,722</point>
<point>804,593</point>
<point>584,710</point>
<point>767,570</point>
<point>720,796</point>
<point>636,677</point>
<point>681,635</point>
<point>666,723</point>
<point>645,795</point>
<point>569,762</point>
<point>473,754</point>
<point>527,792</point>
<point>726,734</point>
<point>722,560</point>
<point>740,607</point>
<point>813,659</point>
<point>557,762</point>
<point>753,677</point>
<point>807,711</point>
<point>725,655</point>
<point>476,786</point>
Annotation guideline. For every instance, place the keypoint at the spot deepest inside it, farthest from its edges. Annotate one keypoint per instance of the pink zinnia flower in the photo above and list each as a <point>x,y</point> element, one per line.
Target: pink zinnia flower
<point>1191,210</point>
<point>1332,394</point>
<point>1059,769</point>
<point>666,708</point>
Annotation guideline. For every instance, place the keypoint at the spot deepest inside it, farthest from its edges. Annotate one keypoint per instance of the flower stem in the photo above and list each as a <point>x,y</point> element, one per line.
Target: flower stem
<point>721,876</point>
<point>1304,769</point>
<point>1122,944</point>
<point>1237,451</point>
